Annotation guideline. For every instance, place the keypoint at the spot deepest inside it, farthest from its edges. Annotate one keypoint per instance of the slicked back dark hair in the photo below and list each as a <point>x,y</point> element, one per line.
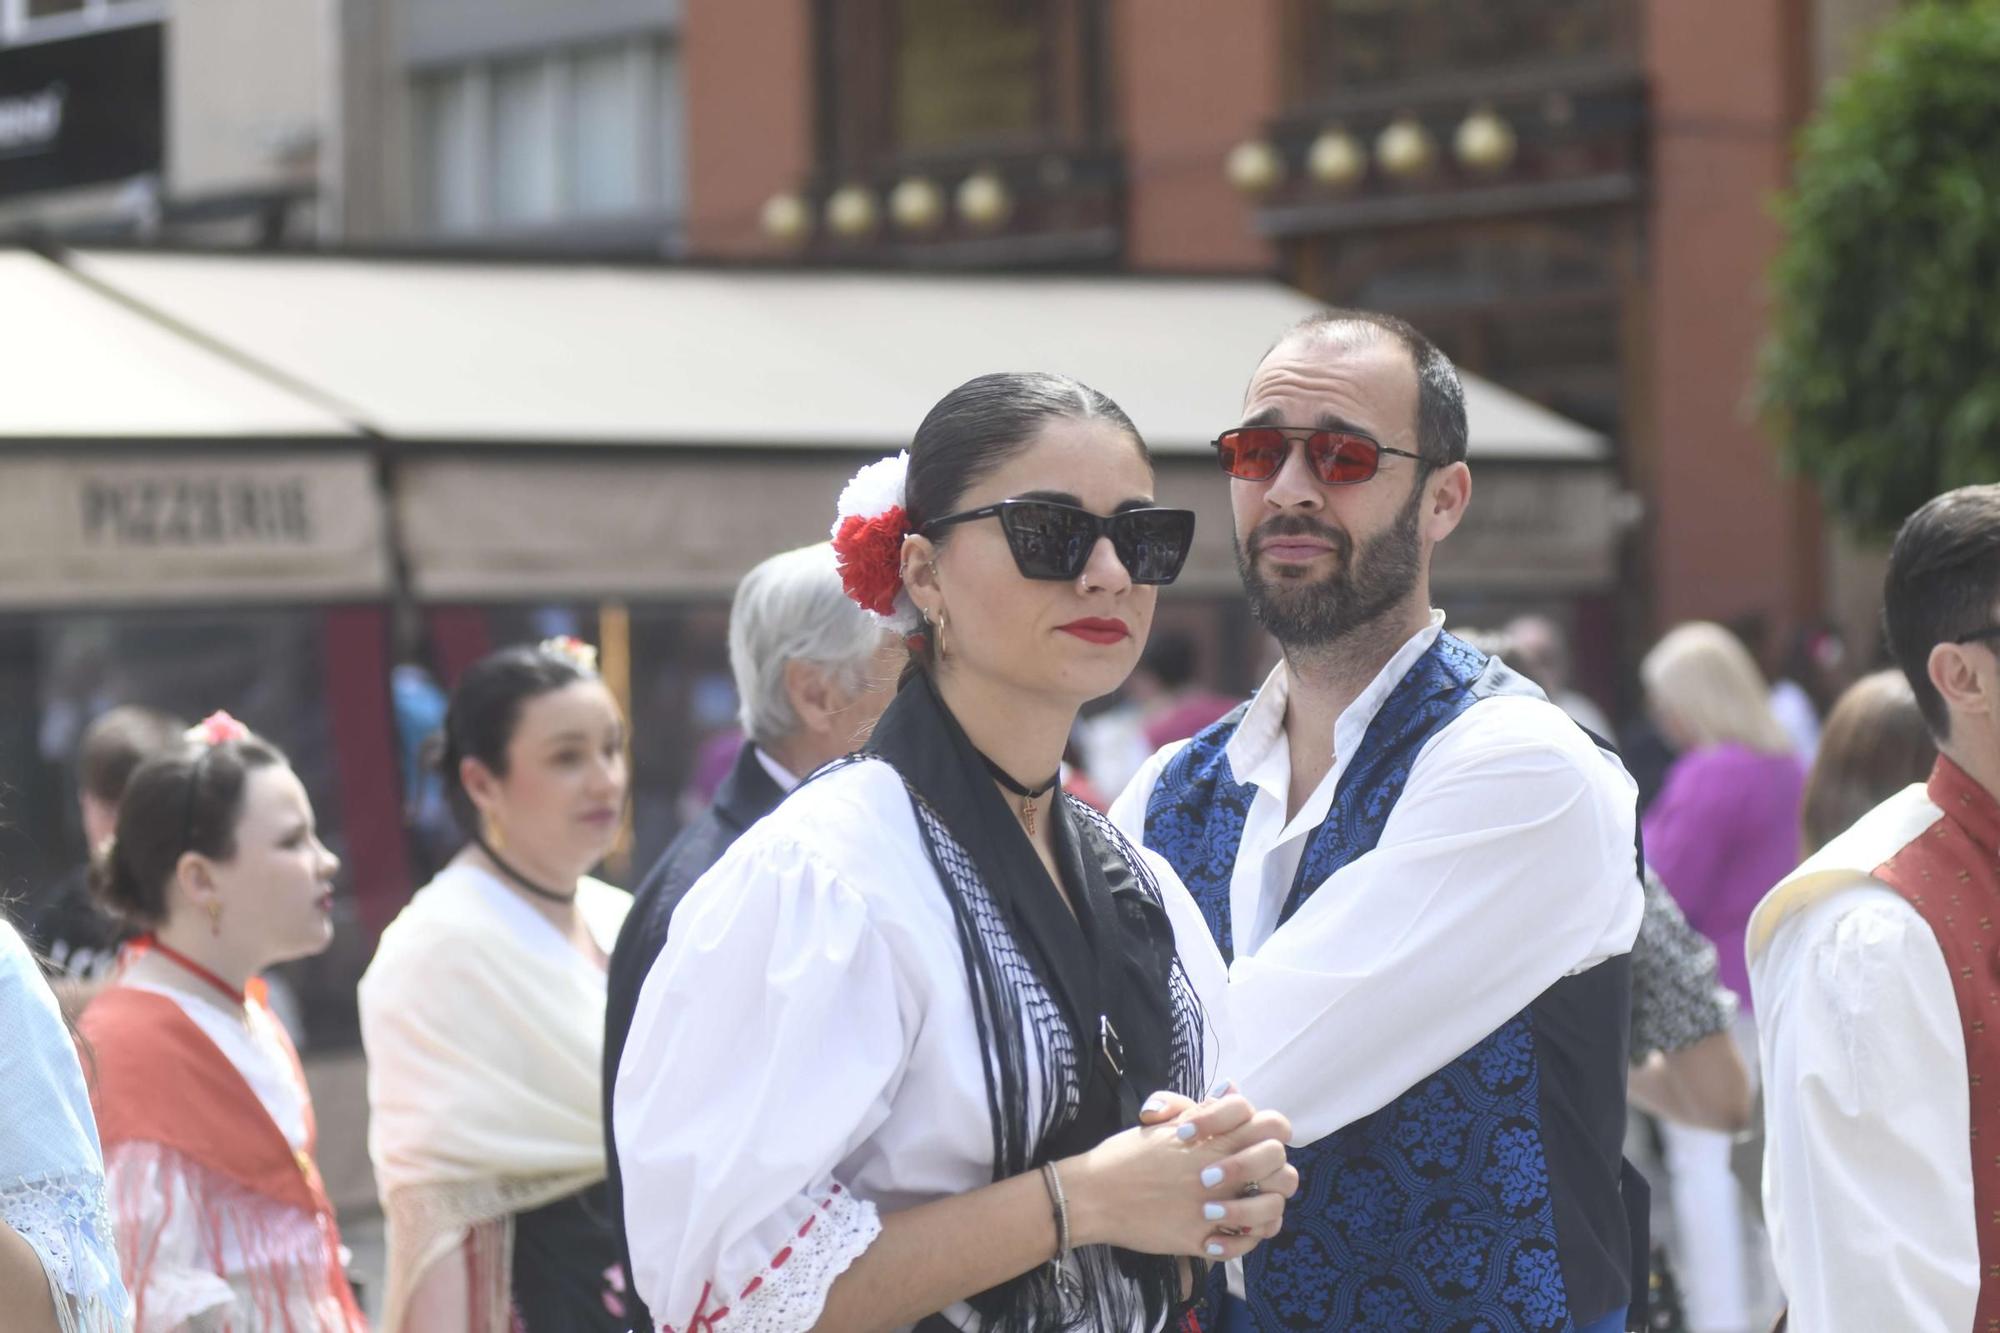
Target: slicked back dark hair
<point>1441,425</point>
<point>484,710</point>
<point>1943,583</point>
<point>976,428</point>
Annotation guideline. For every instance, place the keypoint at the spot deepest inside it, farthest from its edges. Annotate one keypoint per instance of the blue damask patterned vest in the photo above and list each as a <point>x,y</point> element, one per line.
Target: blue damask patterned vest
<point>1486,1199</point>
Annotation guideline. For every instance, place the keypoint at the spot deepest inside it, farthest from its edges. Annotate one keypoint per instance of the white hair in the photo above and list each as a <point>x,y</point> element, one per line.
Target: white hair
<point>790,608</point>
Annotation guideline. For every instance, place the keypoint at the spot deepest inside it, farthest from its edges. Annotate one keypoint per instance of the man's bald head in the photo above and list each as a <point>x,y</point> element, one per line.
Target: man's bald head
<point>1440,427</point>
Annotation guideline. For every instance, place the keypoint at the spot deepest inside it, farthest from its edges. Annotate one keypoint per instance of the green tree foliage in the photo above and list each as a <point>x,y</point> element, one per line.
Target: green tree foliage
<point>1883,371</point>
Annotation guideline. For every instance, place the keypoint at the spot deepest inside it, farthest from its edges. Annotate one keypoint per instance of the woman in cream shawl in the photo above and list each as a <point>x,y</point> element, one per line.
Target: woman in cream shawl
<point>483,1018</point>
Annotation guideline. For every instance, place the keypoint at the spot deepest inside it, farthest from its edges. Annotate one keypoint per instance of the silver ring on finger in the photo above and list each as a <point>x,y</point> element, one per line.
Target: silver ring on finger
<point>1251,1191</point>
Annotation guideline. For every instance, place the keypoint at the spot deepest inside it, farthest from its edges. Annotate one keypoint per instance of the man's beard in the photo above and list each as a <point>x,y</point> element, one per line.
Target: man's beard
<point>1365,587</point>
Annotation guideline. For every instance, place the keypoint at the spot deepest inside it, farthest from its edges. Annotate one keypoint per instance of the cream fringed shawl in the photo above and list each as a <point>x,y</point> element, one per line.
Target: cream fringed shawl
<point>484,1032</point>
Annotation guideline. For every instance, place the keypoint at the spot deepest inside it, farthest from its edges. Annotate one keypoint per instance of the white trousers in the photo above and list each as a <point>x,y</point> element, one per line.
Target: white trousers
<point>1712,1256</point>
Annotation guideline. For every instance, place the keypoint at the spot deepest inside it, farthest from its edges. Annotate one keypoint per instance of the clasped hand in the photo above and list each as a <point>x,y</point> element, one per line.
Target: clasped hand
<point>1206,1179</point>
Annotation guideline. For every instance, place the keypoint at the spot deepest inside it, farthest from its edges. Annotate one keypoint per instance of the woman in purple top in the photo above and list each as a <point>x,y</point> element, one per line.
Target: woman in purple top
<point>1722,831</point>
<point>1725,825</point>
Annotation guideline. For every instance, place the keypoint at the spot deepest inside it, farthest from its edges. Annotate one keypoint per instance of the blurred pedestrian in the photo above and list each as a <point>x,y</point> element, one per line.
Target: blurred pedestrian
<point>66,925</point>
<point>1873,969</point>
<point>1164,701</point>
<point>889,1069</point>
<point>1874,744</point>
<point>813,672</point>
<point>209,1139</point>
<point>1687,1067</point>
<point>1812,676</point>
<point>1184,704</point>
<point>1723,829</point>
<point>58,1252</point>
<point>483,1017</point>
<point>1540,651</point>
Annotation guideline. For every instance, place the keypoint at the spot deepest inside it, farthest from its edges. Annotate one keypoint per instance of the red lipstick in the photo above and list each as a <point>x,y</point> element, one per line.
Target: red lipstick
<point>1096,629</point>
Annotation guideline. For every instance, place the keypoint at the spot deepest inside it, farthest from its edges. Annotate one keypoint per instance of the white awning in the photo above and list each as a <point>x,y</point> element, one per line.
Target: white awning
<point>451,352</point>
<point>78,364</point>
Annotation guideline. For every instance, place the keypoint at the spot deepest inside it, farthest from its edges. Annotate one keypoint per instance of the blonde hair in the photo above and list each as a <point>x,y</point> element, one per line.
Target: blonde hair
<point>1705,681</point>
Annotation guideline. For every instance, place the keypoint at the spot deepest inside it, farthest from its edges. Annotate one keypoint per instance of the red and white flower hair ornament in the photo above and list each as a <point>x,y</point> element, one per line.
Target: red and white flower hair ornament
<point>870,522</point>
<point>216,729</point>
<point>581,655</point>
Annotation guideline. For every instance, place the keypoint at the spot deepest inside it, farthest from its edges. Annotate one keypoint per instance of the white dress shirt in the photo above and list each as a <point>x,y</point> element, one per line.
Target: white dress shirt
<point>1506,865</point>
<point>1867,1150</point>
<point>805,1052</point>
<point>777,772</point>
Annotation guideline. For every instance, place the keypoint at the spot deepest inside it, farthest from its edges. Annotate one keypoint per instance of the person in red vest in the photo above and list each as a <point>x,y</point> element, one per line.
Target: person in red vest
<point>1878,998</point>
<point>222,1220</point>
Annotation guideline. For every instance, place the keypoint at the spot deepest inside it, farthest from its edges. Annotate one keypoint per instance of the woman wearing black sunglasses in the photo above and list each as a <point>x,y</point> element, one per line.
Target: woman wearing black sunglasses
<point>891,1068</point>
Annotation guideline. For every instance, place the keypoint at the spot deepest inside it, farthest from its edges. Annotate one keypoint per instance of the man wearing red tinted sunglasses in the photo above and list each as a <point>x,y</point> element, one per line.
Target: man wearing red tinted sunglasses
<point>1424,875</point>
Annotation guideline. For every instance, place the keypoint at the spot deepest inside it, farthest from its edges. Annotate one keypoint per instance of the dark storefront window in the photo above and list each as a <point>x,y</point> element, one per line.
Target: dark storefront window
<point>1344,46</point>
<point>264,666</point>
<point>968,73</point>
<point>59,672</point>
<point>927,78</point>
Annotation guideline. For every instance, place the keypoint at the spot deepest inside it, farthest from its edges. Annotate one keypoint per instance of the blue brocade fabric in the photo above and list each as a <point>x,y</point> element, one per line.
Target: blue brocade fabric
<point>1433,1214</point>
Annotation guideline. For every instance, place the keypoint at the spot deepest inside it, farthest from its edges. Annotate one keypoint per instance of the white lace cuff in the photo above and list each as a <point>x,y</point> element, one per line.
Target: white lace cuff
<point>66,1222</point>
<point>789,1294</point>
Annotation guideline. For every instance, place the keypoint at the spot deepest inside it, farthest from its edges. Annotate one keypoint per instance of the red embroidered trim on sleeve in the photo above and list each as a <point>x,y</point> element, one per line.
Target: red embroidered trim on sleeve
<point>705,1320</point>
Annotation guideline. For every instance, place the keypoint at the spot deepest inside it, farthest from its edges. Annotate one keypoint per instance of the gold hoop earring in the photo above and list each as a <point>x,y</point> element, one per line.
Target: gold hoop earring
<point>937,630</point>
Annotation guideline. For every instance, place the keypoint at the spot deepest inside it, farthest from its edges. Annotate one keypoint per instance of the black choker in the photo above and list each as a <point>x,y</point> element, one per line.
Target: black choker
<point>521,880</point>
<point>1028,795</point>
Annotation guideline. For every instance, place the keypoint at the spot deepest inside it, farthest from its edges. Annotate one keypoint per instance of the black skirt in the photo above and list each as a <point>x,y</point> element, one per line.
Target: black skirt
<point>566,1267</point>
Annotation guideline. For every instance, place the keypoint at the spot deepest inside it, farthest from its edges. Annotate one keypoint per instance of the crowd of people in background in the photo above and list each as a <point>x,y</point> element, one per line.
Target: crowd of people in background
<point>1016,979</point>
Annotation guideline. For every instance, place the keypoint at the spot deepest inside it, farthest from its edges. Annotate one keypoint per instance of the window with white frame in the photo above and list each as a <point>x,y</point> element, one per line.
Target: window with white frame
<point>26,21</point>
<point>586,134</point>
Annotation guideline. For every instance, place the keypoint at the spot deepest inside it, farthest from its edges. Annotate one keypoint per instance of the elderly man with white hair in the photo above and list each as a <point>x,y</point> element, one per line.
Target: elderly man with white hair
<point>813,672</point>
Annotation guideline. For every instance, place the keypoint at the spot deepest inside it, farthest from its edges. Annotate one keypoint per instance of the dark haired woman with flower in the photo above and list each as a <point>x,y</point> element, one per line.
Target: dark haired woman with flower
<point>483,1017</point>
<point>892,1067</point>
<point>222,1221</point>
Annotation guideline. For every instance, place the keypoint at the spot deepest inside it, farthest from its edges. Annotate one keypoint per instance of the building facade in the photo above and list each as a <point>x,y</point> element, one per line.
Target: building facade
<point>1572,196</point>
<point>517,124</point>
<point>146,120</point>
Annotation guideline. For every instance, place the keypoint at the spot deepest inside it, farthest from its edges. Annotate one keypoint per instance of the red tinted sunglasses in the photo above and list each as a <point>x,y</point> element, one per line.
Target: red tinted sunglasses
<point>1338,457</point>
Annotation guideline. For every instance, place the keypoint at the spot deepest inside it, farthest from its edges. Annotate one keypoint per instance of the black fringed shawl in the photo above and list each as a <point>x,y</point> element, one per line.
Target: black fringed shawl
<point>1099,998</point>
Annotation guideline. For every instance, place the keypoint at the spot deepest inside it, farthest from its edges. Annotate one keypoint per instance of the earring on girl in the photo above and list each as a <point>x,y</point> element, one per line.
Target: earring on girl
<point>214,918</point>
<point>937,626</point>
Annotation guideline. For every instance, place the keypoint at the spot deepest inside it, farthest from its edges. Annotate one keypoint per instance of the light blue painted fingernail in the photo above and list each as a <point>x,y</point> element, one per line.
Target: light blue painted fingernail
<point>1155,1106</point>
<point>1212,1176</point>
<point>1221,1086</point>
<point>1214,1212</point>
<point>1185,1132</point>
<point>1215,1248</point>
